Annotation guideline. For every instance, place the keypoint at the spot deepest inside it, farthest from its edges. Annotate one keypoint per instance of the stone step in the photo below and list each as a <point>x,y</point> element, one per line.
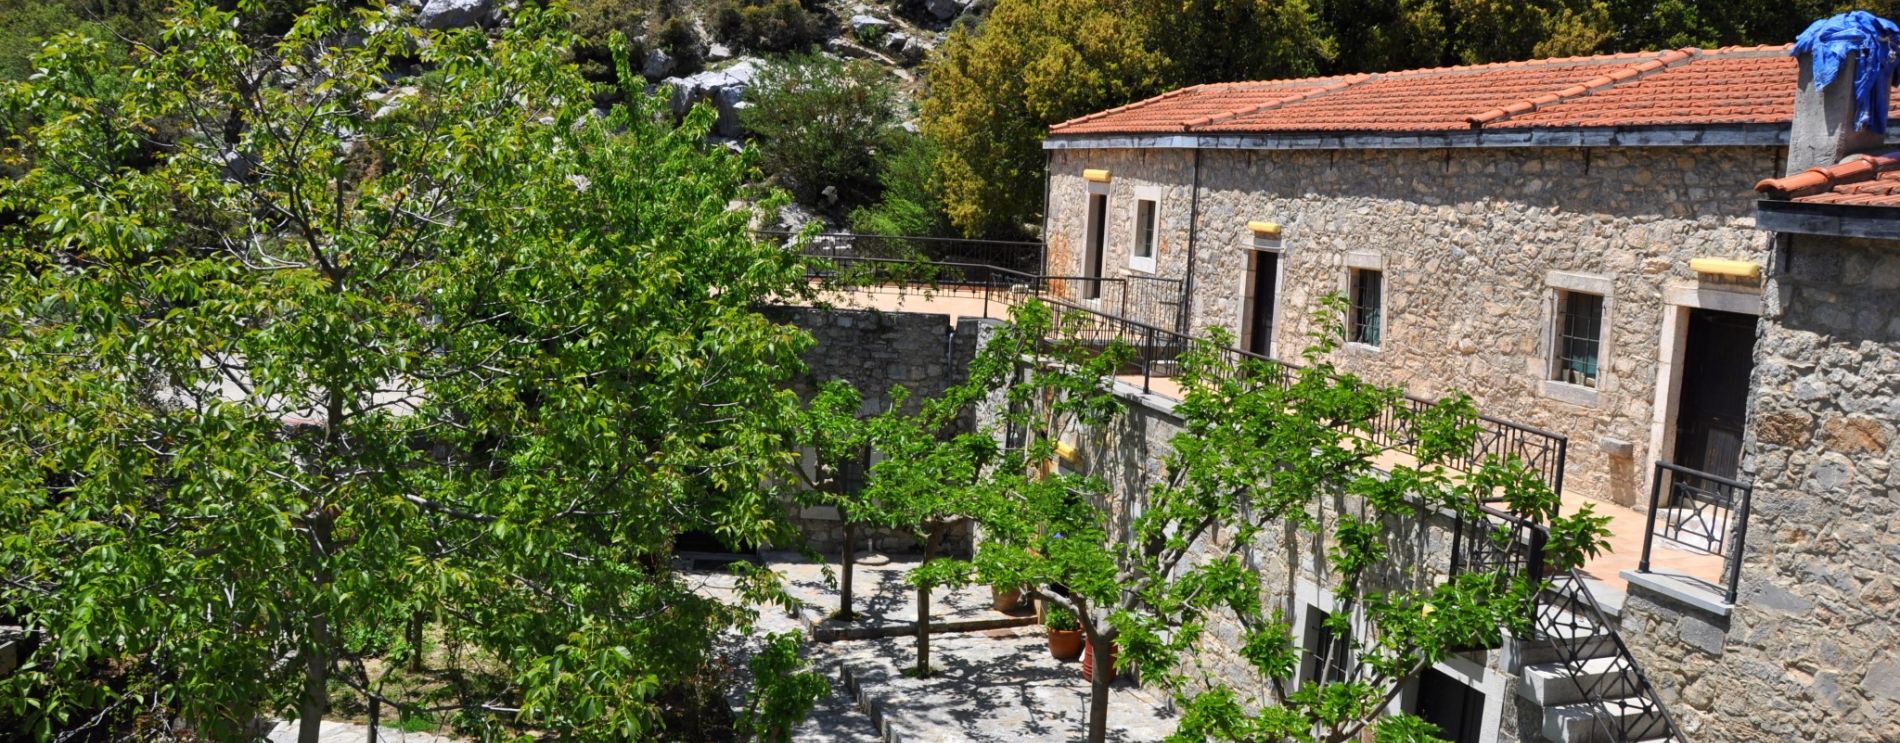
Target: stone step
<point>1532,651</point>
<point>1581,722</point>
<point>1551,684</point>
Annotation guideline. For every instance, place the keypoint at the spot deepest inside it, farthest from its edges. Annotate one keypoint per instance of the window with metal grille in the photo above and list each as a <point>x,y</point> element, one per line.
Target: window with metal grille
<point>1328,653</point>
<point>1144,229</point>
<point>1368,298</point>
<point>1579,338</point>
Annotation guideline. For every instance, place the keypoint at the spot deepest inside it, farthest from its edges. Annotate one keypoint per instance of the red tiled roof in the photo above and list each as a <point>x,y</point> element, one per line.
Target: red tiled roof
<point>1737,85</point>
<point>1869,180</point>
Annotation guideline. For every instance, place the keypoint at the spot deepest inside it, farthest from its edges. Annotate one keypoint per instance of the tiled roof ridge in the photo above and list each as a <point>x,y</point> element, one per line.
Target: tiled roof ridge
<point>1656,63</point>
<point>1235,86</point>
<point>1136,104</point>
<point>1812,181</point>
<point>1340,84</point>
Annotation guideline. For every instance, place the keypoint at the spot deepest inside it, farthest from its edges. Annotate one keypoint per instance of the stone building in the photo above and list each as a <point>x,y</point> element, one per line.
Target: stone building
<point>1576,244</point>
<point>1570,241</point>
<point>1807,651</point>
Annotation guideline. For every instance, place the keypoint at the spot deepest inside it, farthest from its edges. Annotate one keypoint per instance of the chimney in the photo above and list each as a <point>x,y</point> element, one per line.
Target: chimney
<point>1824,130</point>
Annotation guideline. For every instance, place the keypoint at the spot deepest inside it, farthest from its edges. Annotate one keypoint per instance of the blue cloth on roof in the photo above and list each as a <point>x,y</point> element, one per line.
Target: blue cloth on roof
<point>1873,39</point>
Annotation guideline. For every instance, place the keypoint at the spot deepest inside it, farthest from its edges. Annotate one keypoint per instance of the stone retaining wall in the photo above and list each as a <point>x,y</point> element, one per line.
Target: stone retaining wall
<point>876,351</point>
<point>1468,240</point>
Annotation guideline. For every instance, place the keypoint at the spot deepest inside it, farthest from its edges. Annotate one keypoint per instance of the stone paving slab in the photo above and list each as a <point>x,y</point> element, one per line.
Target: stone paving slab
<point>990,686</point>
<point>349,732</point>
<point>886,604</point>
<point>837,717</point>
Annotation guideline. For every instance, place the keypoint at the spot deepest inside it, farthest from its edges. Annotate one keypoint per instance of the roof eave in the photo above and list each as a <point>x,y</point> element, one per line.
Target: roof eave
<point>1701,135</point>
<point>1837,220</point>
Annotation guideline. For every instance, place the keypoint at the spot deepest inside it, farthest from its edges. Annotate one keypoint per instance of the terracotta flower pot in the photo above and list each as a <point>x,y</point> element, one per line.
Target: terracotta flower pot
<point>1088,660</point>
<point>1065,644</point>
<point>1006,600</point>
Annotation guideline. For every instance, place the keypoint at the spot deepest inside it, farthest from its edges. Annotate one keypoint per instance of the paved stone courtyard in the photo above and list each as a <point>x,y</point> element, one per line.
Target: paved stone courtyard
<point>991,684</point>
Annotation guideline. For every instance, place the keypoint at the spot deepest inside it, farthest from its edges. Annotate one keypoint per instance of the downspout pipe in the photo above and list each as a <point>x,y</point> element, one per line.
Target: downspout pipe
<point>1194,229</point>
<point>1048,159</point>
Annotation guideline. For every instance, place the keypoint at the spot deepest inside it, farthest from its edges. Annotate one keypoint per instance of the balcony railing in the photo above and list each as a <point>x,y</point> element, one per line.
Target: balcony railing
<point>1701,514</point>
<point>1146,313</point>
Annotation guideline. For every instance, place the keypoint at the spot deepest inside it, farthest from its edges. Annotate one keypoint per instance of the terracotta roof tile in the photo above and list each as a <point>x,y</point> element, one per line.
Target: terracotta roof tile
<point>1868,180</point>
<point>1738,85</point>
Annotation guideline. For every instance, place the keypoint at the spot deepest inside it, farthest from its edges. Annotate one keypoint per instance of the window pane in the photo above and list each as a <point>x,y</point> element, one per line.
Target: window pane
<point>1144,229</point>
<point>1580,336</point>
<point>1368,288</point>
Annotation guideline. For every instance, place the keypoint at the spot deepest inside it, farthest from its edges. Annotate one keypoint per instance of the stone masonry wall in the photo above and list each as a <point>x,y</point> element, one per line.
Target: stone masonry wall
<point>1468,239</point>
<point>1809,651</point>
<point>876,351</point>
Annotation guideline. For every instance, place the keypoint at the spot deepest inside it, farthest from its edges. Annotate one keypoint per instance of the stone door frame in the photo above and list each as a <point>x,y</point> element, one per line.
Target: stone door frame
<point>1243,323</point>
<point>1678,300</point>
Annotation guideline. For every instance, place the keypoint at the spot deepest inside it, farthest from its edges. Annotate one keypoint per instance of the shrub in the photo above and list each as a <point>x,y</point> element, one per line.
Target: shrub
<point>822,122</point>
<point>1058,618</point>
<point>909,204</point>
<point>766,25</point>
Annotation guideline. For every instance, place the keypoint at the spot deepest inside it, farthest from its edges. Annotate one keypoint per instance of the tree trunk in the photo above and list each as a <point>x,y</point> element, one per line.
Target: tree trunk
<point>415,642</point>
<point>1098,696</point>
<point>923,602</point>
<point>849,558</point>
<point>316,681</point>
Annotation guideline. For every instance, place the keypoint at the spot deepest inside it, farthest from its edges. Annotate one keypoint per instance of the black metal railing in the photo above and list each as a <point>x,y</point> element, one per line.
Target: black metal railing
<point>1624,706</point>
<point>1700,513</point>
<point>1149,315</point>
<point>972,257</point>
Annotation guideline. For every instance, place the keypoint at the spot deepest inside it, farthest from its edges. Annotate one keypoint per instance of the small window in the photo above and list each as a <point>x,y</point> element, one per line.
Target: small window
<point>1368,301</point>
<point>1328,653</point>
<point>1145,229</point>
<point>1579,338</point>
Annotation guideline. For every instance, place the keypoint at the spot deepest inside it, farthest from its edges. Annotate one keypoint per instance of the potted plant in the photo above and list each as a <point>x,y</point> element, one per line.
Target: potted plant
<point>1006,600</point>
<point>1065,636</point>
<point>1088,660</point>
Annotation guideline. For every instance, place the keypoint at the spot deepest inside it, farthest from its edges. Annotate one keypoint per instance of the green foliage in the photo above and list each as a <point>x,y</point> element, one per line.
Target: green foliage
<point>282,364</point>
<point>785,688</point>
<point>1058,618</point>
<point>822,122</point>
<point>766,25</point>
<point>909,203</point>
<point>995,91</point>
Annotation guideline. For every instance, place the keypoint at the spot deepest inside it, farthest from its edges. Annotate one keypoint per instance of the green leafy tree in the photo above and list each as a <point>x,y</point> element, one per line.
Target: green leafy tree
<point>1261,452</point>
<point>833,429</point>
<point>995,90</point>
<point>288,352</point>
<point>820,122</point>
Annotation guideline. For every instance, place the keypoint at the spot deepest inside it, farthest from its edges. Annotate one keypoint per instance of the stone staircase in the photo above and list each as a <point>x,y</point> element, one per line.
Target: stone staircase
<point>1580,674</point>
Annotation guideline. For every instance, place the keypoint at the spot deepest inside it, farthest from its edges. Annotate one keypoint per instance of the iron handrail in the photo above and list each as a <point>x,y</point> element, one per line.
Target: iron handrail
<point>1624,672</point>
<point>1728,541</point>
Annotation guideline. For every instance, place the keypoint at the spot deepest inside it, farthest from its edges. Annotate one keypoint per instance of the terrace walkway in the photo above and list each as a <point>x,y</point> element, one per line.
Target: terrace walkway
<point>1626,524</point>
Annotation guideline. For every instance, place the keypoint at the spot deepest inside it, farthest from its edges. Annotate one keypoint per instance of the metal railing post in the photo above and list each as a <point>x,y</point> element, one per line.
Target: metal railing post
<point>1735,552</point>
<point>1148,356</point>
<point>1649,522</point>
